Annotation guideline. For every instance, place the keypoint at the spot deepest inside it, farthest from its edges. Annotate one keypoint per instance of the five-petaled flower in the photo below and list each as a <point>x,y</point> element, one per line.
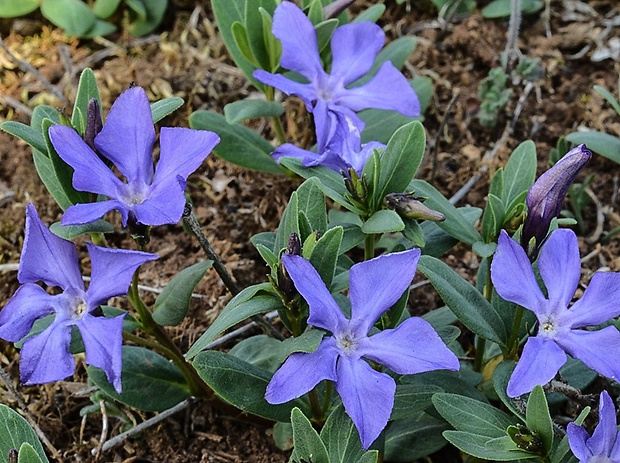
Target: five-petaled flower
<point>338,151</point>
<point>149,196</point>
<point>45,357</point>
<point>604,444</point>
<point>412,347</point>
<point>561,329</point>
<point>546,197</point>
<point>354,48</point>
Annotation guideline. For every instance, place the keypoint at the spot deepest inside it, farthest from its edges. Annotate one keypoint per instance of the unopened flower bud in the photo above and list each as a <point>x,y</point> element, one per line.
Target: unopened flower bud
<point>411,206</point>
<point>526,439</point>
<point>93,123</point>
<point>294,245</point>
<point>13,456</point>
<point>546,197</point>
<point>285,284</point>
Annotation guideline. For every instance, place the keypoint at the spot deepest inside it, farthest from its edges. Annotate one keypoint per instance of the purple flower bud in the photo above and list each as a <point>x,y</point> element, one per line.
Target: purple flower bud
<point>546,197</point>
<point>93,123</point>
<point>412,207</point>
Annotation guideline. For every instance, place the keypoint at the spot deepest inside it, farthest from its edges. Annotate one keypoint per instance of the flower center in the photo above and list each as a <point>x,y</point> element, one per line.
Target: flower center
<point>347,343</point>
<point>78,308</point>
<point>134,194</point>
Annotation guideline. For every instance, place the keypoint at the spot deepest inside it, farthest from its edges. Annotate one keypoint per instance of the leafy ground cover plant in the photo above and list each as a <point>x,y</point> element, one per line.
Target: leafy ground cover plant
<point>346,378</point>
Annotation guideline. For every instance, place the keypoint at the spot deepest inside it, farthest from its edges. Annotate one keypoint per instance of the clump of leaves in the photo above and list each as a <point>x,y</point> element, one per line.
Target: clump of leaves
<point>494,96</point>
<point>91,19</point>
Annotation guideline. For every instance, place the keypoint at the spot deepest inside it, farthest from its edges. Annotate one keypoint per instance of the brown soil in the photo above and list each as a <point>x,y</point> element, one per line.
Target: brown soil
<point>188,59</point>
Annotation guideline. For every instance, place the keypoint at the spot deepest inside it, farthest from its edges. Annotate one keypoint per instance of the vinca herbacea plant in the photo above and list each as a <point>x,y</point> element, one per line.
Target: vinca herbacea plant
<point>503,365</point>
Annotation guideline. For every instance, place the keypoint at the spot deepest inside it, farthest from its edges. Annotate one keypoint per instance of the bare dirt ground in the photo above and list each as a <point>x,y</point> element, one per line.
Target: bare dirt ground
<point>188,59</point>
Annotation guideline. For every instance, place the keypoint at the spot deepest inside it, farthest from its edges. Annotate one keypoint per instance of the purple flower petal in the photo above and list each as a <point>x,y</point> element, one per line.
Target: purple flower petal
<point>182,152</point>
<point>288,150</point>
<point>304,91</point>
<point>413,347</point>
<point>378,283</point>
<point>599,302</point>
<point>112,270</point>
<point>80,214</point>
<point>388,89</point>
<point>367,396</point>
<point>128,135</point>
<point>163,206</point>
<point>103,339</point>
<point>513,277</point>
<point>47,257</point>
<point>300,49</point>
<point>324,312</point>
<point>354,49</point>
<point>599,350</point>
<point>577,437</point>
<point>29,303</point>
<point>604,436</point>
<point>90,172</point>
<point>560,266</point>
<point>540,361</point>
<point>45,357</point>
<point>302,371</point>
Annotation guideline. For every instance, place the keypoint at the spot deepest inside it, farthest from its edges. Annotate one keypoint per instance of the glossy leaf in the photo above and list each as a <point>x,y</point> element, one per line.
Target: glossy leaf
<point>601,143</point>
<point>103,9</point>
<point>289,223</point>
<point>484,447</point>
<point>240,145</point>
<point>241,384</point>
<point>150,382</point>
<point>254,27</point>
<point>73,16</point>
<point>27,454</point>
<point>538,418</point>
<point>383,221</point>
<point>155,10</point>
<point>253,300</point>
<point>163,108</point>
<point>172,304</point>
<point>13,9</point>
<point>243,110</point>
<point>14,431</point>
<point>413,438</point>
<point>26,133</point>
<point>342,440</point>
<point>70,232</point>
<point>519,173</point>
<point>324,255</point>
<point>411,399</point>
<point>308,444</point>
<point>87,89</point>
<point>312,202</point>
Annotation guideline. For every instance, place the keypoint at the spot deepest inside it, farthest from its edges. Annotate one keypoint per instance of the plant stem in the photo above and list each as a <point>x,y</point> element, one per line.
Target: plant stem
<point>315,405</point>
<point>369,247</point>
<point>513,341</point>
<point>276,123</point>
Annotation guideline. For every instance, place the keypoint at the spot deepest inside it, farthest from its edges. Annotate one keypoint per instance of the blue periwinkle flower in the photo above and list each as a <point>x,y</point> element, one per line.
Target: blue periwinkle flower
<point>45,357</point>
<point>604,444</point>
<point>151,196</point>
<point>354,48</point>
<point>546,197</point>
<point>561,329</point>
<point>412,347</point>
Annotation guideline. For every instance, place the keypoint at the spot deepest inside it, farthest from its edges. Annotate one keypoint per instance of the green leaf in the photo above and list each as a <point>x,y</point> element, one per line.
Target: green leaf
<point>73,16</point>
<point>383,221</point>
<point>261,350</point>
<point>609,97</point>
<point>413,232</point>
<point>413,438</point>
<point>150,382</point>
<point>324,32</point>
<point>14,431</point>
<point>253,300</point>
<point>87,89</point>
<point>241,384</point>
<point>467,303</point>
<point>538,418</point>
<point>519,173</point>
<point>308,444</point>
<point>456,223</point>
<point>484,250</point>
<point>172,304</point>
<point>100,28</point>
<point>226,13</point>
<point>162,108</point>
<point>240,36</point>
<point>254,26</point>
<point>239,145</point>
<point>70,232</point>
<point>602,143</point>
<point>563,447</point>
<point>243,110</point>
<point>137,6</point>
<point>26,133</point>
<point>482,446</point>
<point>342,440</point>
<point>400,160</point>
<point>62,171</point>
<point>470,415</point>
<point>461,382</point>
<point>411,399</point>
<point>103,9</point>
<point>372,14</point>
<point>27,454</point>
<point>289,223</point>
<point>501,8</point>
<point>501,376</point>
<point>12,9</point>
<point>155,10</point>
<point>312,202</point>
<point>42,112</point>
<point>324,255</point>
<point>330,182</point>
<point>45,170</point>
<point>272,45</point>
<point>492,218</point>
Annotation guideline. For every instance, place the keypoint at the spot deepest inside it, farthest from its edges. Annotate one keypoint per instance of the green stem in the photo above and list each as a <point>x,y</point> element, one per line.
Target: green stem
<point>369,247</point>
<point>315,405</point>
<point>481,342</point>
<point>164,344</point>
<point>276,122</point>
<point>513,341</point>
<point>99,239</point>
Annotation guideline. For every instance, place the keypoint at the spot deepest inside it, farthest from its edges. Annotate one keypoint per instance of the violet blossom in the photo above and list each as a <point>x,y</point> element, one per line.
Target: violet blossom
<point>546,197</point>
<point>45,357</point>
<point>412,347</point>
<point>561,329</point>
<point>354,48</point>
<point>604,444</point>
<point>150,196</point>
<point>340,150</point>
